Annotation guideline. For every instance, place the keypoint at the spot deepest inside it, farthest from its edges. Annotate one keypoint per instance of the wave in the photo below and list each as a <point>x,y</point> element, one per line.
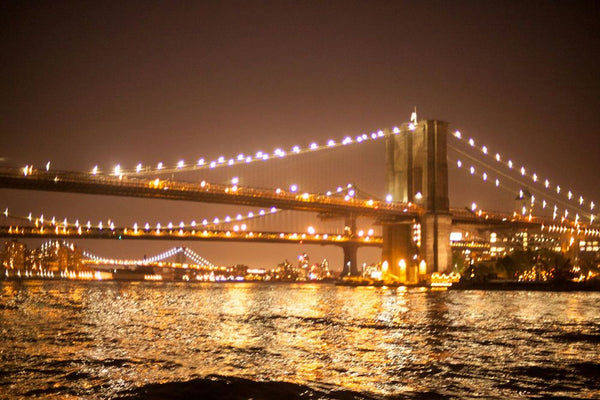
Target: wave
<point>213,387</point>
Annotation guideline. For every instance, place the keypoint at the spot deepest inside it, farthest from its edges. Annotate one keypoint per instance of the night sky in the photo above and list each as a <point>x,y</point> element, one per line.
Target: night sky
<point>126,82</point>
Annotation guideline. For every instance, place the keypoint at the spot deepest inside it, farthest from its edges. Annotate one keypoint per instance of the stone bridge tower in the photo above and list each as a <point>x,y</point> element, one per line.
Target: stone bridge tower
<point>417,172</point>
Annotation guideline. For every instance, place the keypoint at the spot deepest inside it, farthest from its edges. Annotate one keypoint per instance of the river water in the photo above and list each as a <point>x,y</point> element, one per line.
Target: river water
<point>97,340</point>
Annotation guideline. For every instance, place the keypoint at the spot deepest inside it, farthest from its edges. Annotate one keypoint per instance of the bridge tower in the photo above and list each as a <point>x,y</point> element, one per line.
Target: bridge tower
<point>417,172</point>
<point>180,257</point>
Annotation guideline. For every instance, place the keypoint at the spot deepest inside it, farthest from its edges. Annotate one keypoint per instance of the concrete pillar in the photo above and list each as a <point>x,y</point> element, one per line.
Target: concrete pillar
<point>350,267</point>
<point>435,242</point>
<point>398,251</point>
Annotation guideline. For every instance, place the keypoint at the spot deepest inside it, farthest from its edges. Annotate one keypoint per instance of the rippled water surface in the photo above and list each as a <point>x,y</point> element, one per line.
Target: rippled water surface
<point>96,340</point>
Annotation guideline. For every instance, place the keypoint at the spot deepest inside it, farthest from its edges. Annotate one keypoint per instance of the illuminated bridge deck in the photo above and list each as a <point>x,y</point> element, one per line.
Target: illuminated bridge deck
<point>28,232</point>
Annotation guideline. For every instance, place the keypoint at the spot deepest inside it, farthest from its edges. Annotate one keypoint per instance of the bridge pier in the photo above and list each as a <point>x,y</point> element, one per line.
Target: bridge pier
<point>350,260</point>
<point>350,267</point>
<point>417,172</point>
<point>436,249</point>
<point>399,251</point>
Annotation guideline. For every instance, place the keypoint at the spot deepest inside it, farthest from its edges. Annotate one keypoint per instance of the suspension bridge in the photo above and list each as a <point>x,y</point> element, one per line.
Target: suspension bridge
<point>413,219</point>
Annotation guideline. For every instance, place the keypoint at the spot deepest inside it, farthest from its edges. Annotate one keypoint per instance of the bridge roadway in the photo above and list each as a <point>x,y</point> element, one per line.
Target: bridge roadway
<point>131,186</point>
<point>119,233</point>
<point>81,182</point>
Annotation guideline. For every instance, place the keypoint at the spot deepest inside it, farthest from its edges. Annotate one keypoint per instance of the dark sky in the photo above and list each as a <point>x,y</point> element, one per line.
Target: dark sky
<point>126,82</point>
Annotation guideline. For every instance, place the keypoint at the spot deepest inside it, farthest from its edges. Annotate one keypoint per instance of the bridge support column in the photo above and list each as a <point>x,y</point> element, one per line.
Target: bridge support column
<point>350,260</point>
<point>436,250</point>
<point>399,252</point>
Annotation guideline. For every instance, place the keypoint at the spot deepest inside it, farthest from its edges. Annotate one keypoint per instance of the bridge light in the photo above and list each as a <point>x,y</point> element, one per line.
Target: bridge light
<point>472,169</point>
<point>498,157</point>
<point>510,164</point>
<point>569,195</point>
<point>159,166</point>
<point>293,188</point>
<point>471,142</point>
<point>484,150</point>
<point>243,227</point>
<point>118,170</point>
<point>48,166</point>
<point>402,265</point>
<point>484,176</point>
<point>543,203</point>
<point>235,180</point>
<point>216,220</point>
<point>388,198</point>
<point>523,171</point>
<point>193,224</point>
<point>457,134</point>
<point>201,162</point>
<point>273,210</point>
<point>296,149</point>
<point>313,146</point>
<point>261,212</point>
<point>250,214</point>
<point>380,133</point>
<point>411,126</point>
<point>180,164</point>
<point>330,143</point>
<point>221,160</point>
<point>396,130</point>
<point>311,230</point>
<point>473,206</point>
<point>557,189</point>
<point>373,135</point>
<point>138,168</point>
<point>95,170</point>
<point>546,183</point>
<point>213,164</point>
<point>592,205</point>
<point>240,157</point>
<point>265,157</point>
<point>347,140</point>
<point>422,267</point>
<point>248,159</point>
<point>580,200</point>
<point>230,162</point>
<point>459,163</point>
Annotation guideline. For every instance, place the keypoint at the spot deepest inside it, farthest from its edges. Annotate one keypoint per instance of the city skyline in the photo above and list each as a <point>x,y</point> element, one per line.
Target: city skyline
<point>105,84</point>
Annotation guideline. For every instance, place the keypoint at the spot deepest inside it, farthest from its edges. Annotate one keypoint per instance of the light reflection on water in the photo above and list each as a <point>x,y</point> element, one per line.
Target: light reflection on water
<point>61,339</point>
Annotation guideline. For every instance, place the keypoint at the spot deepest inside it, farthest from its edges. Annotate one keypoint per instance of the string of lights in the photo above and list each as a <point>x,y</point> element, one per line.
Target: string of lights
<point>198,259</point>
<point>240,159</point>
<point>532,185</point>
